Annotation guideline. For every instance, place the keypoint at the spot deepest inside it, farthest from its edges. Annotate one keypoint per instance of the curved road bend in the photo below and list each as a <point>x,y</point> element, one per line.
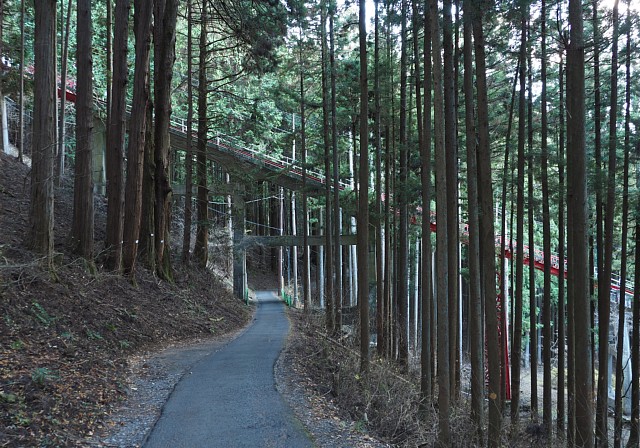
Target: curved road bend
<point>229,399</point>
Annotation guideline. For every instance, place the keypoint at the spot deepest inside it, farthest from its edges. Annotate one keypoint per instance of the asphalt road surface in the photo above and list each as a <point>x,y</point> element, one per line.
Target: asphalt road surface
<point>229,399</point>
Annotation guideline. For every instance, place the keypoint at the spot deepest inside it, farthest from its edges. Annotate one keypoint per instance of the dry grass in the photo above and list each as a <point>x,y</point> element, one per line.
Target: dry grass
<point>388,403</point>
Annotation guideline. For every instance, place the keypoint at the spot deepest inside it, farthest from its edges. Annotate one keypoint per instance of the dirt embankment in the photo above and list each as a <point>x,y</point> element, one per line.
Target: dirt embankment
<point>66,334</point>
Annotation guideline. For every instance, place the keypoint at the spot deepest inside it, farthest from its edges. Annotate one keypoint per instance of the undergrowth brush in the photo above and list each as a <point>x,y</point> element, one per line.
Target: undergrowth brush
<point>387,402</point>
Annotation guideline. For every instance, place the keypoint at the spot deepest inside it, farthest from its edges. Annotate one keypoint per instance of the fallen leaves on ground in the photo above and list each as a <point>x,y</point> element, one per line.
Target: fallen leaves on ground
<point>67,332</point>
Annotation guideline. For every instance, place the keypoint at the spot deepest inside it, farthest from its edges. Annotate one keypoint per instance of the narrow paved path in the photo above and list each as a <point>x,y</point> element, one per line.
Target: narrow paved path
<point>229,399</point>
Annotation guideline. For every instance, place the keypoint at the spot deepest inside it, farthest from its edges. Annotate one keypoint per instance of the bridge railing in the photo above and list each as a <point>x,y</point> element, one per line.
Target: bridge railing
<point>537,259</point>
<point>234,146</point>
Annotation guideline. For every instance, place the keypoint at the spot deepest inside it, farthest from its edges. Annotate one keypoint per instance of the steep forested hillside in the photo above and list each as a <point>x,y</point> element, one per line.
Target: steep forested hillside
<point>66,330</point>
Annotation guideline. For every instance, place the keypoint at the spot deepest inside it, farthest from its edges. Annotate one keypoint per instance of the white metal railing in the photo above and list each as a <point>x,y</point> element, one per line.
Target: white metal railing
<point>234,146</point>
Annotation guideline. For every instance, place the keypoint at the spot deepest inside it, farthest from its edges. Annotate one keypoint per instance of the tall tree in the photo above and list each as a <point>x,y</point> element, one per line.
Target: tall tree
<point>82,225</point>
<point>634,432</point>
<point>188,156</point>
<point>415,25</point>
<point>516,345</point>
<point>337,252</point>
<point>116,129</point>
<point>329,249</point>
<point>597,255</point>
<point>451,148</point>
<point>604,281</point>
<point>201,248</point>
<point>389,159</point>
<point>380,315</point>
<point>504,276</point>
<point>561,241</point>
<point>306,266</point>
<point>403,230</point>
<point>487,237</point>
<point>426,366</point>
<point>578,231</point>
<point>165,13</point>
<point>533,298</point>
<point>363,200</point>
<point>621,369</point>
<point>442,266</point>
<point>597,141</point>
<point>623,333</point>
<point>40,235</point>
<point>546,227</point>
<point>506,179</point>
<point>475,299</point>
<point>137,135</point>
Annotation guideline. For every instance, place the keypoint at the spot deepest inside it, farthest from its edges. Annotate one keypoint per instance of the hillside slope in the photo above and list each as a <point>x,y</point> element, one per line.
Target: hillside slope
<point>66,335</point>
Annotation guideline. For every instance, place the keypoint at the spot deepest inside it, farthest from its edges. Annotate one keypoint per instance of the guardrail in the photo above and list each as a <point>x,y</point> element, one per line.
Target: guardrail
<point>538,257</point>
<point>233,146</point>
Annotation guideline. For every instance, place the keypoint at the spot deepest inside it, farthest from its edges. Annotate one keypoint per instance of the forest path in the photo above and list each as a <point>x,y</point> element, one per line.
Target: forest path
<point>229,398</point>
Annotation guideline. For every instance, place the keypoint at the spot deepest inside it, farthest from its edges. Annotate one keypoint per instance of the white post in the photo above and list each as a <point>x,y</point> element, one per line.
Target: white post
<point>416,293</point>
<point>5,126</point>
<point>293,216</point>
<point>229,211</point>
<point>280,249</point>
<point>339,267</point>
<point>407,298</point>
<point>433,286</point>
<point>352,249</point>
<point>459,295</point>
<point>353,278</point>
<point>321,262</point>
<point>505,303</point>
<point>229,219</point>
<point>295,248</point>
<point>383,236</point>
<point>351,167</point>
<point>626,361</point>
<point>350,273</point>
<point>245,289</point>
<point>307,260</point>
